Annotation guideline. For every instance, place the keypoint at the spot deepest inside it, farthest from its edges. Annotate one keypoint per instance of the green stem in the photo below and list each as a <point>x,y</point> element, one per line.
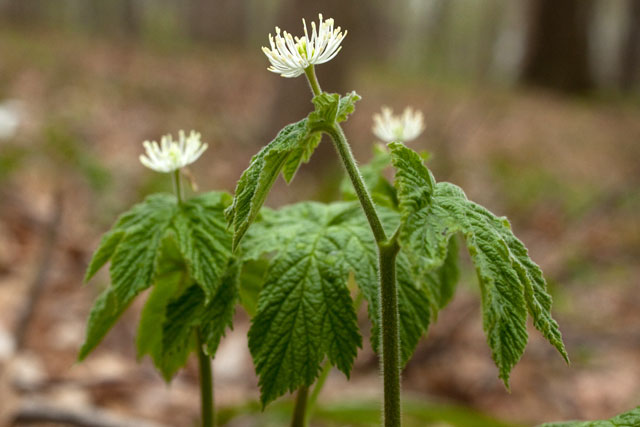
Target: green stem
<point>299,412</point>
<point>310,72</point>
<point>390,332</point>
<point>206,386</point>
<point>204,363</point>
<point>326,369</point>
<point>349,162</point>
<point>387,252</point>
<point>177,185</point>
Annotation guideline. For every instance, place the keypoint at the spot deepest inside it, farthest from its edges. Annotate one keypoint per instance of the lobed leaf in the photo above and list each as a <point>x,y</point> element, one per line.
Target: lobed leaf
<point>160,242</point>
<point>188,314</point>
<point>347,105</point>
<point>171,279</point>
<point>300,155</point>
<point>292,142</point>
<point>106,248</point>
<point>293,145</point>
<point>326,109</point>
<point>352,242</point>
<point>133,253</point>
<point>304,310</point>
<point>359,252</point>
<point>511,284</point>
<point>203,239</point>
<point>331,108</point>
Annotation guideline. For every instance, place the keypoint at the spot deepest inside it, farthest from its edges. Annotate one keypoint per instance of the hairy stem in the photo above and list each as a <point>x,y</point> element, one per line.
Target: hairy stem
<point>344,151</point>
<point>387,251</point>
<point>206,386</point>
<point>300,411</point>
<point>390,332</point>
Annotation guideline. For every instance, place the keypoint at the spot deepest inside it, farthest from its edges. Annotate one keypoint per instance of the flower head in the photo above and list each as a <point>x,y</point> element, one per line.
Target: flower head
<point>289,55</point>
<point>402,128</point>
<point>171,155</point>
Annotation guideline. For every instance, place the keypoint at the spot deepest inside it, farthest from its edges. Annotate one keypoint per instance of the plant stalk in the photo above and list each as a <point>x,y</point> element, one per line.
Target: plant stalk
<point>387,252</point>
<point>300,411</point>
<point>310,72</point>
<point>207,413</point>
<point>390,332</point>
<point>326,369</point>
<point>206,386</point>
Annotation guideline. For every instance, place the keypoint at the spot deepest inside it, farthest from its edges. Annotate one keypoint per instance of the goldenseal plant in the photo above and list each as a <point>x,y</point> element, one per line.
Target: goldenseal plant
<point>400,243</point>
<point>182,248</point>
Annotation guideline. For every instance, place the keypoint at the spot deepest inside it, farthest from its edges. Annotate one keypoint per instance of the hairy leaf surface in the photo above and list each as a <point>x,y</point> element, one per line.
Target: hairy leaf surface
<point>189,314</point>
<point>159,242</point>
<point>331,108</point>
<point>305,311</point>
<point>511,284</point>
<point>347,105</point>
<point>171,279</point>
<point>291,146</point>
<point>133,253</point>
<point>204,241</point>
<point>346,235</point>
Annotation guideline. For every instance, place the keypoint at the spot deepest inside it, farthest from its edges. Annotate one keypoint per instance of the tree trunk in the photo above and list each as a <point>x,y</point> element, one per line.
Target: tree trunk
<point>130,17</point>
<point>557,51</point>
<point>23,11</point>
<point>630,53</point>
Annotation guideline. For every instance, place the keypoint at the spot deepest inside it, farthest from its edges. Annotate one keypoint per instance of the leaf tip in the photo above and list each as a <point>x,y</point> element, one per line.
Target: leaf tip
<point>505,380</point>
<point>82,354</point>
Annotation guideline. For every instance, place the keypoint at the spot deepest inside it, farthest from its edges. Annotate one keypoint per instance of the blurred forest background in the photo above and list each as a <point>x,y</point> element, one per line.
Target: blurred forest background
<point>532,106</point>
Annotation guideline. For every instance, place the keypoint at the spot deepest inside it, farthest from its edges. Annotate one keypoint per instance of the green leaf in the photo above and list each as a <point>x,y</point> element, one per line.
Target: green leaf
<point>300,155</point>
<point>305,311</point>
<point>359,252</point>
<point>382,192</point>
<point>105,250</point>
<point>104,314</point>
<point>511,284</point>
<point>293,145</point>
<point>292,142</point>
<point>170,280</point>
<point>353,243</point>
<point>250,284</point>
<point>326,109</point>
<point>627,419</point>
<point>331,108</point>
<point>189,314</point>
<point>441,282</point>
<point>347,105</point>
<point>204,241</point>
<point>134,260</point>
<point>133,255</point>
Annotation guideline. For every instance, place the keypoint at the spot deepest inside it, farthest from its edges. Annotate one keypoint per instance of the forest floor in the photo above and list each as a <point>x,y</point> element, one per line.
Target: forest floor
<point>565,171</point>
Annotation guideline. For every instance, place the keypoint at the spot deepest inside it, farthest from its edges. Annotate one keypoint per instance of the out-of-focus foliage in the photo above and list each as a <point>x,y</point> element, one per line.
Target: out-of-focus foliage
<point>628,419</point>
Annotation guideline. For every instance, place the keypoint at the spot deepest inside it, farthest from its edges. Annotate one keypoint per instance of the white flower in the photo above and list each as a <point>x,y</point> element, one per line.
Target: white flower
<point>289,55</point>
<point>402,128</point>
<point>172,155</point>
